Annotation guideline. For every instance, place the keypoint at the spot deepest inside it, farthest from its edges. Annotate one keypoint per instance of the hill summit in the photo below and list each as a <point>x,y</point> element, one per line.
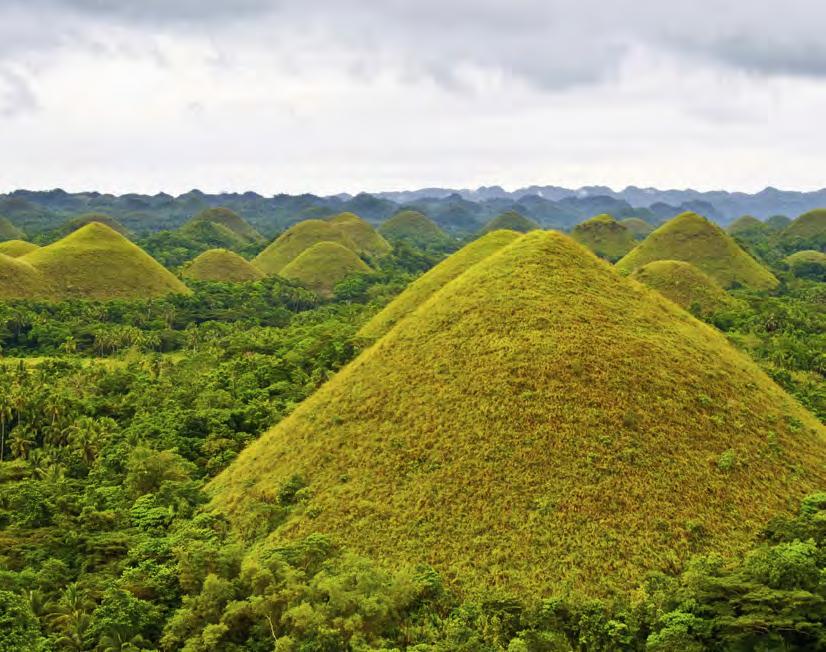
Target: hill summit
<point>638,227</point>
<point>538,424</point>
<point>223,266</point>
<point>693,239</point>
<point>685,285</point>
<point>606,237</point>
<point>17,248</point>
<point>510,221</point>
<point>808,230</point>
<point>324,265</point>
<point>296,239</point>
<point>226,219</point>
<point>367,241</point>
<point>9,231</point>
<point>88,218</point>
<point>96,262</point>
<point>20,280</point>
<point>413,227</point>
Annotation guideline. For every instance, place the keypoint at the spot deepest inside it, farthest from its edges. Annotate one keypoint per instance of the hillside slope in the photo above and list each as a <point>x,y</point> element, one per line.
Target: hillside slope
<point>540,424</point>
<point>685,285</point>
<point>296,239</point>
<point>17,248</point>
<point>9,231</point>
<point>20,280</point>
<point>510,221</point>
<point>228,219</point>
<point>413,227</point>
<point>368,242</point>
<point>324,265</point>
<point>221,265</point>
<point>606,237</point>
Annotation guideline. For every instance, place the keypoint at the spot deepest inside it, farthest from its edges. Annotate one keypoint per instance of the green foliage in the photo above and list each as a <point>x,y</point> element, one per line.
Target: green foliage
<point>9,231</point>
<point>19,629</point>
<point>808,264</point>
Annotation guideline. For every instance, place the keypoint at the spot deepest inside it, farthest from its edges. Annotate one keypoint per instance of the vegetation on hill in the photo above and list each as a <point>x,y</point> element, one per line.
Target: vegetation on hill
<point>88,218</point>
<point>413,227</point>
<point>606,237</point>
<point>778,222</point>
<point>16,248</point>
<point>228,219</point>
<point>537,407</point>
<point>685,285</point>
<point>808,264</point>
<point>693,239</point>
<point>639,228</point>
<point>19,280</point>
<point>808,231</point>
<point>9,231</point>
<point>747,224</point>
<point>368,242</point>
<point>295,240</point>
<point>223,266</point>
<point>434,280</point>
<point>510,221</point>
<point>323,266</point>
<point>96,262</point>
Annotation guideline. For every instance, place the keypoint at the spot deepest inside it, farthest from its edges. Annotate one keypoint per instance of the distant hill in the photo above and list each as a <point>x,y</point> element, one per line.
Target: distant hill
<point>778,222</point>
<point>685,285</point>
<point>808,230</point>
<point>693,239</point>
<point>17,248</point>
<point>9,231</point>
<point>228,219</point>
<point>367,241</point>
<point>510,221</point>
<point>295,240</point>
<point>96,262</point>
<point>415,228</point>
<point>747,224</point>
<point>88,218</point>
<point>638,228</point>
<point>221,265</point>
<point>606,237</point>
<point>540,424</point>
<point>434,280</point>
<point>20,280</point>
<point>808,264</point>
<point>323,265</point>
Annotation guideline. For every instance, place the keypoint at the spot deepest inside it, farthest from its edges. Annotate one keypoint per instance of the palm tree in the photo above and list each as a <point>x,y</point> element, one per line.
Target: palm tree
<point>120,639</point>
<point>70,614</point>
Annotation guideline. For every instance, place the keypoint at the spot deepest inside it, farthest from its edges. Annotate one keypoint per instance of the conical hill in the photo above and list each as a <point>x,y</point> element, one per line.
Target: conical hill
<point>96,262</point>
<point>17,248</point>
<point>9,231</point>
<point>540,424</point>
<point>693,239</point>
<point>368,242</point>
<point>20,280</point>
<point>748,225</point>
<point>606,237</point>
<point>808,264</point>
<point>413,227</point>
<point>295,240</point>
<point>685,285</point>
<point>638,227</point>
<point>809,229</point>
<point>88,218</point>
<point>324,265</point>
<point>228,219</point>
<point>221,265</point>
<point>510,221</point>
<point>434,280</point>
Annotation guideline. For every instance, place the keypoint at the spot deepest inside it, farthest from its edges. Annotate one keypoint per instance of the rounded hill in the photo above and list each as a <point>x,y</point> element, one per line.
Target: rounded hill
<point>778,222</point>
<point>88,218</point>
<point>434,280</point>
<point>20,280</point>
<point>809,228</point>
<point>606,237</point>
<point>639,228</point>
<point>693,239</point>
<point>540,424</point>
<point>685,285</point>
<point>296,239</point>
<point>228,219</point>
<point>17,248</point>
<point>413,227</point>
<point>808,264</point>
<point>96,262</point>
<point>223,266</point>
<point>9,231</point>
<point>510,221</point>
<point>747,225</point>
<point>367,241</point>
<point>324,265</point>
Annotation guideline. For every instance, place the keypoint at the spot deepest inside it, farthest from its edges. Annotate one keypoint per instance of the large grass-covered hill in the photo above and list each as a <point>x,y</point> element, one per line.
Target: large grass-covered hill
<point>97,262</point>
<point>222,226</point>
<point>694,239</point>
<point>323,265</point>
<point>538,424</point>
<point>415,228</point>
<point>20,280</point>
<point>88,218</point>
<point>606,237</point>
<point>221,265</point>
<point>367,241</point>
<point>685,285</point>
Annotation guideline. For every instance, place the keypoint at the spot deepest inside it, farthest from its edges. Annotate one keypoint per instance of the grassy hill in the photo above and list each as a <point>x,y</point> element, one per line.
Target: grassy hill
<point>368,242</point>
<point>693,239</point>
<point>778,222</point>
<point>747,225</point>
<point>413,227</point>
<point>639,228</point>
<point>227,219</point>
<point>808,229</point>
<point>324,265</point>
<point>510,221</point>
<point>685,285</point>
<point>19,280</point>
<point>87,218</point>
<point>221,265</point>
<point>434,280</point>
<point>808,264</point>
<point>96,262</point>
<point>606,237</point>
<point>9,231</point>
<point>17,248</point>
<point>540,424</point>
<point>296,239</point>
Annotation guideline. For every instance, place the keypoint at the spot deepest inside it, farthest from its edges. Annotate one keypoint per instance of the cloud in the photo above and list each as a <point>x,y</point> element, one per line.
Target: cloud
<point>16,95</point>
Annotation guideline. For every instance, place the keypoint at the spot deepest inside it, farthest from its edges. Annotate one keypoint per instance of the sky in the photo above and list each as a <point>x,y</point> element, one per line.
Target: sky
<point>330,96</point>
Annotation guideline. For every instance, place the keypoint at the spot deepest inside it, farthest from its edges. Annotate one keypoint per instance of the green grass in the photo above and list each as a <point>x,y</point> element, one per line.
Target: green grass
<point>539,425</point>
<point>227,219</point>
<point>685,285</point>
<point>510,221</point>
<point>368,242</point>
<point>808,231</point>
<point>17,248</point>
<point>747,225</point>
<point>295,240</point>
<point>808,264</point>
<point>324,265</point>
<point>606,237</point>
<point>221,265</point>
<point>693,239</point>
<point>639,228</point>
<point>9,231</point>
<point>434,280</point>
<point>88,218</point>
<point>20,280</point>
<point>96,262</point>
<point>413,227</point>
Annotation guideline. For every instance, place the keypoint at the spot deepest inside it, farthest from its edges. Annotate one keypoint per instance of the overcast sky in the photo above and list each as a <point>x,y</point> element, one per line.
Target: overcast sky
<point>345,95</point>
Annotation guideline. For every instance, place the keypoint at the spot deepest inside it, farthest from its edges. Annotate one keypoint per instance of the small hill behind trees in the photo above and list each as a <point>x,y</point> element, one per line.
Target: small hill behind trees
<point>223,266</point>
<point>415,228</point>
<point>323,265</point>
<point>606,237</point>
